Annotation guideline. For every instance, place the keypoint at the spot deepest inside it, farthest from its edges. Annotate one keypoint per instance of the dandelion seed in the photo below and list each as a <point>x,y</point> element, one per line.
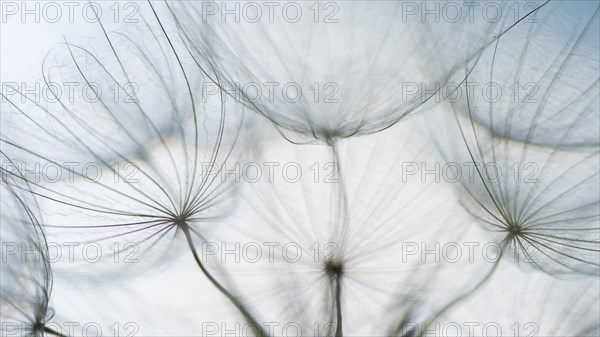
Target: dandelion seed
<point>26,272</point>
<point>362,73</point>
<point>174,142</point>
<point>540,89</point>
<point>536,190</point>
<point>349,234</point>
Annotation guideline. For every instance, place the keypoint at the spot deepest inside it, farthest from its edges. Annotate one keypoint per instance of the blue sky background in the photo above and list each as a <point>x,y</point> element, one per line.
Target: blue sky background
<point>24,45</point>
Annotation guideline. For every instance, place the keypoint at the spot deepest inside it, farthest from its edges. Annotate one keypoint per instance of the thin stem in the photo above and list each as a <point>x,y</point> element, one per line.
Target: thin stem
<point>218,285</point>
<point>338,306</point>
<point>53,332</point>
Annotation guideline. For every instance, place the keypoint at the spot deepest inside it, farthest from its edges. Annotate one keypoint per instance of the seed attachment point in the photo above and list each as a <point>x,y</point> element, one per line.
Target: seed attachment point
<point>334,268</point>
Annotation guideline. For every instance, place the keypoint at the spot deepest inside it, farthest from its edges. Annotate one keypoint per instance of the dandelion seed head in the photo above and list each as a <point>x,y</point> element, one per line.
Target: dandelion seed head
<point>333,267</point>
<point>534,185</point>
<point>160,157</point>
<point>513,229</point>
<point>26,281</point>
<point>180,220</point>
<point>364,57</point>
<point>353,232</point>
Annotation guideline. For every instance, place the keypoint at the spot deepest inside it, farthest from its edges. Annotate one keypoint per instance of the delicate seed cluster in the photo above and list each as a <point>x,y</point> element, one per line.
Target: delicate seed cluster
<point>357,249</point>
